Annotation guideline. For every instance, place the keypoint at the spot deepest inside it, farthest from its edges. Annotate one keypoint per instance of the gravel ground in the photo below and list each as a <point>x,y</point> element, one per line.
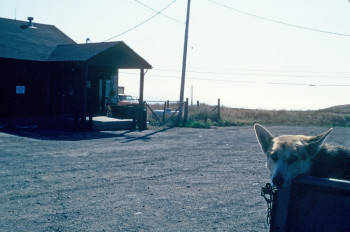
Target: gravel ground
<point>177,179</point>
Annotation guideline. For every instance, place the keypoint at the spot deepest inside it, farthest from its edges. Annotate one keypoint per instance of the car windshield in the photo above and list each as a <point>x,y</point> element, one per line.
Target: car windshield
<point>127,98</point>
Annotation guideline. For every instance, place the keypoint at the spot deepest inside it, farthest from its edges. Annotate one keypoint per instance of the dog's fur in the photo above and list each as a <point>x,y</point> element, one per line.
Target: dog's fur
<point>291,155</point>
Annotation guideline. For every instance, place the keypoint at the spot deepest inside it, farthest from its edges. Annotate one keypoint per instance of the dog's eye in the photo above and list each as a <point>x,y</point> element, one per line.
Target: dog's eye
<point>274,157</point>
<point>293,158</point>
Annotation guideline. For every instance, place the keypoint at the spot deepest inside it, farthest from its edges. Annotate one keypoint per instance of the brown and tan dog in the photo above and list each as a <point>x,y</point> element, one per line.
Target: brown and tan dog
<point>291,155</point>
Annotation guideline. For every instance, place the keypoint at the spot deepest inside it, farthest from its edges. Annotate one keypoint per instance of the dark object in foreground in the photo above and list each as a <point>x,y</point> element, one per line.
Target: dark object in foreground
<point>311,204</point>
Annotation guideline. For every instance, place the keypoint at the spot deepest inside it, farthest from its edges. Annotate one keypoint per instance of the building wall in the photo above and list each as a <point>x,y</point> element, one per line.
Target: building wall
<point>39,89</point>
<point>50,89</point>
<point>23,88</point>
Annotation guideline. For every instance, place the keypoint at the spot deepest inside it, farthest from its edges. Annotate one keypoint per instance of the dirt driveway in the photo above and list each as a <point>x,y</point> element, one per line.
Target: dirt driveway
<point>175,179</point>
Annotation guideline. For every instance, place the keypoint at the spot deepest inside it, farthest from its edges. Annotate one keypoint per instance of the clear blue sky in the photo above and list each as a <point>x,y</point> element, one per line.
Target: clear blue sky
<point>249,53</point>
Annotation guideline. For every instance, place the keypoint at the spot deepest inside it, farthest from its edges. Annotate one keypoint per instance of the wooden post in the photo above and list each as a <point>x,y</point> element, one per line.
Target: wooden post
<point>103,103</point>
<point>191,95</point>
<point>142,81</point>
<point>219,109</point>
<point>186,111</point>
<point>182,89</point>
<point>84,95</point>
<point>115,81</point>
<point>142,114</point>
<point>197,105</point>
<point>165,106</point>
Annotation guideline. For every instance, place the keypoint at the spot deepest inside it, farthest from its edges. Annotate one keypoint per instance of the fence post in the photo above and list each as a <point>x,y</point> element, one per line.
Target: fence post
<point>197,105</point>
<point>186,111</point>
<point>165,106</point>
<point>218,108</point>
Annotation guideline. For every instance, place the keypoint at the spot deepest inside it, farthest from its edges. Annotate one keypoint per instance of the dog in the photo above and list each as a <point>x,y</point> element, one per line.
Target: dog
<point>289,156</point>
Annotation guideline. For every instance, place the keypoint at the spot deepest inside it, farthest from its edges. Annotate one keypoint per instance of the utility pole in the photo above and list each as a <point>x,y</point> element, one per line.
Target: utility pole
<point>182,89</point>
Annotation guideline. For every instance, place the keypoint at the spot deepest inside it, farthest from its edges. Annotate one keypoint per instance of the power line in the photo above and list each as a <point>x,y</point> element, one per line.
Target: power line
<point>255,74</point>
<point>305,84</point>
<point>276,21</point>
<point>246,82</point>
<point>141,3</point>
<point>193,78</point>
<point>158,13</point>
<point>248,70</point>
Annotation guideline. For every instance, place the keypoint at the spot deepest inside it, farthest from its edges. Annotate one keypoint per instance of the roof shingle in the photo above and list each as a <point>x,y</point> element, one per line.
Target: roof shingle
<point>20,42</point>
<point>47,43</point>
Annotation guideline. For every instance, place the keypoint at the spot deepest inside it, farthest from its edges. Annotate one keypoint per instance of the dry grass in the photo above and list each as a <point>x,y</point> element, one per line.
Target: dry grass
<point>207,116</point>
<point>284,117</point>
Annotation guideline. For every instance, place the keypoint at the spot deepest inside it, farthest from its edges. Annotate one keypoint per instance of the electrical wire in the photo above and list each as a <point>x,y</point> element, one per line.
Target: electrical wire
<point>246,82</point>
<point>305,84</point>
<point>193,78</point>
<point>276,21</point>
<point>171,68</point>
<point>143,22</point>
<point>141,3</point>
<point>254,74</point>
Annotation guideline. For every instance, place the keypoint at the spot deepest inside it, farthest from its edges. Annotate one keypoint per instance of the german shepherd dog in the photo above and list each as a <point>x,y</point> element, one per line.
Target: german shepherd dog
<point>289,156</point>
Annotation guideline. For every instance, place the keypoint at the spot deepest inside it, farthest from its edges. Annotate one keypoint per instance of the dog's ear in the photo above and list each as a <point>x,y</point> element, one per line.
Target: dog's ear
<point>315,142</point>
<point>264,137</point>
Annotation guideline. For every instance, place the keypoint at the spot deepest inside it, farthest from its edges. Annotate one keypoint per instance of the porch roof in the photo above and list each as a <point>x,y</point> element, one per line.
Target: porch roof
<point>111,54</point>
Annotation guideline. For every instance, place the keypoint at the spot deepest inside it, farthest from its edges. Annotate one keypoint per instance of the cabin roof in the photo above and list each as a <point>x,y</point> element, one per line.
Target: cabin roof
<point>42,42</point>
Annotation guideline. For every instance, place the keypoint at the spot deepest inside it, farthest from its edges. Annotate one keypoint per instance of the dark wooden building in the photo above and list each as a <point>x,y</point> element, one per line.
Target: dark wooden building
<point>45,75</point>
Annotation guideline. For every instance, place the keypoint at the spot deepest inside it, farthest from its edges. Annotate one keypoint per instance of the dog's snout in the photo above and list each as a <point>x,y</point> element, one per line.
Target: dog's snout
<point>278,180</point>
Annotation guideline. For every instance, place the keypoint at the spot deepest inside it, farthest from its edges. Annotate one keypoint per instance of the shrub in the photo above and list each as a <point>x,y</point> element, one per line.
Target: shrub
<point>197,124</point>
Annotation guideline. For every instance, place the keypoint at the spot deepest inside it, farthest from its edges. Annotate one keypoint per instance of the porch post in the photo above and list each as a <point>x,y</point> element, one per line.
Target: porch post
<point>142,113</point>
<point>103,100</point>
<point>84,89</point>
<point>142,80</point>
<point>115,81</point>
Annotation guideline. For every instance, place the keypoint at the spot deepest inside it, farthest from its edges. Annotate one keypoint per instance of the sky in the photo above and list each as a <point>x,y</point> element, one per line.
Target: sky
<point>255,54</point>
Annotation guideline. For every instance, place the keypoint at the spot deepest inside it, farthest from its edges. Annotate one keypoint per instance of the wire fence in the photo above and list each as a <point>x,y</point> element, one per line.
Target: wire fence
<point>165,112</point>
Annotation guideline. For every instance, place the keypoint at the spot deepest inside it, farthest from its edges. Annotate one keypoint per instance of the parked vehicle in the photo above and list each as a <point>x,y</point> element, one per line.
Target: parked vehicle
<point>121,106</point>
<point>124,99</point>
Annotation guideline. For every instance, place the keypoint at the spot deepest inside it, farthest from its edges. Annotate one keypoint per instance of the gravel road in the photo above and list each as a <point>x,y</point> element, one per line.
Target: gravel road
<point>176,179</point>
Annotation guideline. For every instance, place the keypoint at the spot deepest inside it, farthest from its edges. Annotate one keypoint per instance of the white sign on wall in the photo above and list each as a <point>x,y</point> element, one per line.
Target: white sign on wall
<point>20,89</point>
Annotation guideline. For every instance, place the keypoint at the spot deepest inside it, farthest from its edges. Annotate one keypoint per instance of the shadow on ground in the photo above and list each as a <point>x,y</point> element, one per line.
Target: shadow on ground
<point>74,135</point>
